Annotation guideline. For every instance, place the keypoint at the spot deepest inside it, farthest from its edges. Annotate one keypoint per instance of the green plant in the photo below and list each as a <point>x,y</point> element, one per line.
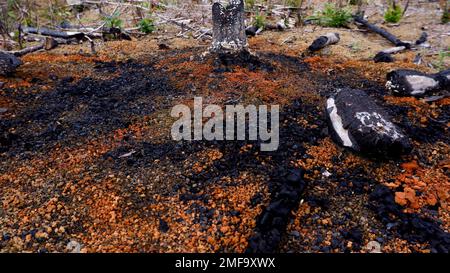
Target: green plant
<point>113,21</point>
<point>355,46</point>
<point>443,55</point>
<point>259,21</point>
<point>332,16</point>
<point>18,11</point>
<point>56,12</point>
<point>445,17</point>
<point>146,25</point>
<point>394,14</point>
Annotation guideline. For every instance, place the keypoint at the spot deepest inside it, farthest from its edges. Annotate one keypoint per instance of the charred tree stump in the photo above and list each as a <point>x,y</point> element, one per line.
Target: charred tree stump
<point>358,123</point>
<point>8,63</point>
<point>229,28</point>
<point>405,82</point>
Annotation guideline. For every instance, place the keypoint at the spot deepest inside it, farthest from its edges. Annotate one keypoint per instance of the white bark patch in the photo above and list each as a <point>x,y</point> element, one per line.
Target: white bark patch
<point>336,120</point>
<point>378,124</point>
<point>420,84</point>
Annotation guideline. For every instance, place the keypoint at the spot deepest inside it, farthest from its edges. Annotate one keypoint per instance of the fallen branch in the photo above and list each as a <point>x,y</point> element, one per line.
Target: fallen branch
<point>54,33</point>
<point>382,32</point>
<point>27,50</point>
<point>182,23</point>
<point>386,55</point>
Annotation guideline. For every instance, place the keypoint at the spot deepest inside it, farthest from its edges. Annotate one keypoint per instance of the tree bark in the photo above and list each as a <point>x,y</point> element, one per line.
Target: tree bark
<point>229,28</point>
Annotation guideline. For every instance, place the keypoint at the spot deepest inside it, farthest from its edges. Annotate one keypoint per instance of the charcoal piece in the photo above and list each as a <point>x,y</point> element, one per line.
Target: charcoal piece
<point>358,123</point>
<point>324,41</point>
<point>8,63</point>
<point>405,82</point>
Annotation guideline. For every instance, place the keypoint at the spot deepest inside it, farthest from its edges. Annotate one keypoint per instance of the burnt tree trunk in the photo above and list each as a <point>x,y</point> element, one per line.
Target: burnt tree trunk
<point>229,28</point>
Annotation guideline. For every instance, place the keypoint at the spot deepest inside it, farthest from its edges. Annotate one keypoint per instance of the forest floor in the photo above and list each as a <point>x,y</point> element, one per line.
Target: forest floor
<point>88,160</point>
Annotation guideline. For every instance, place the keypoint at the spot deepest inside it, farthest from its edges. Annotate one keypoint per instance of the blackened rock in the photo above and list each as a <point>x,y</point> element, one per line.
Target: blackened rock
<point>8,63</point>
<point>354,234</point>
<point>256,199</point>
<point>410,226</point>
<point>358,123</point>
<point>383,57</point>
<point>405,82</point>
<point>163,226</point>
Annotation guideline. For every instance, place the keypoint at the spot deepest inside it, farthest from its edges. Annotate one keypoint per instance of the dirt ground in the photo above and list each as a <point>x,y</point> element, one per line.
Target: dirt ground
<point>88,163</point>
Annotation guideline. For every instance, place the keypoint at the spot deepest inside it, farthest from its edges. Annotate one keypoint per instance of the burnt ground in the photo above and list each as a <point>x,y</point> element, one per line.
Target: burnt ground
<point>87,158</point>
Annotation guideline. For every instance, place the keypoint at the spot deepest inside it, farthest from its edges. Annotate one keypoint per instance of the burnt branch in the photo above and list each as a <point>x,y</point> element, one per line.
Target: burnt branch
<point>382,32</point>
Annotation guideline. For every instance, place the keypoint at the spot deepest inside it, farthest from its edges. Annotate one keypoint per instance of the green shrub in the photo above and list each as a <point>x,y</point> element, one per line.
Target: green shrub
<point>113,21</point>
<point>146,25</point>
<point>443,55</point>
<point>394,14</point>
<point>332,16</point>
<point>445,17</point>
<point>259,21</point>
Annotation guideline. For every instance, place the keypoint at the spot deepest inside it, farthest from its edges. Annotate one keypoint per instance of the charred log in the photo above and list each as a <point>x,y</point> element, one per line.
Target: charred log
<point>382,32</point>
<point>358,123</point>
<point>386,55</point>
<point>324,41</point>
<point>8,63</point>
<point>28,50</point>
<point>229,28</point>
<point>383,57</point>
<point>404,82</point>
<point>54,33</point>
